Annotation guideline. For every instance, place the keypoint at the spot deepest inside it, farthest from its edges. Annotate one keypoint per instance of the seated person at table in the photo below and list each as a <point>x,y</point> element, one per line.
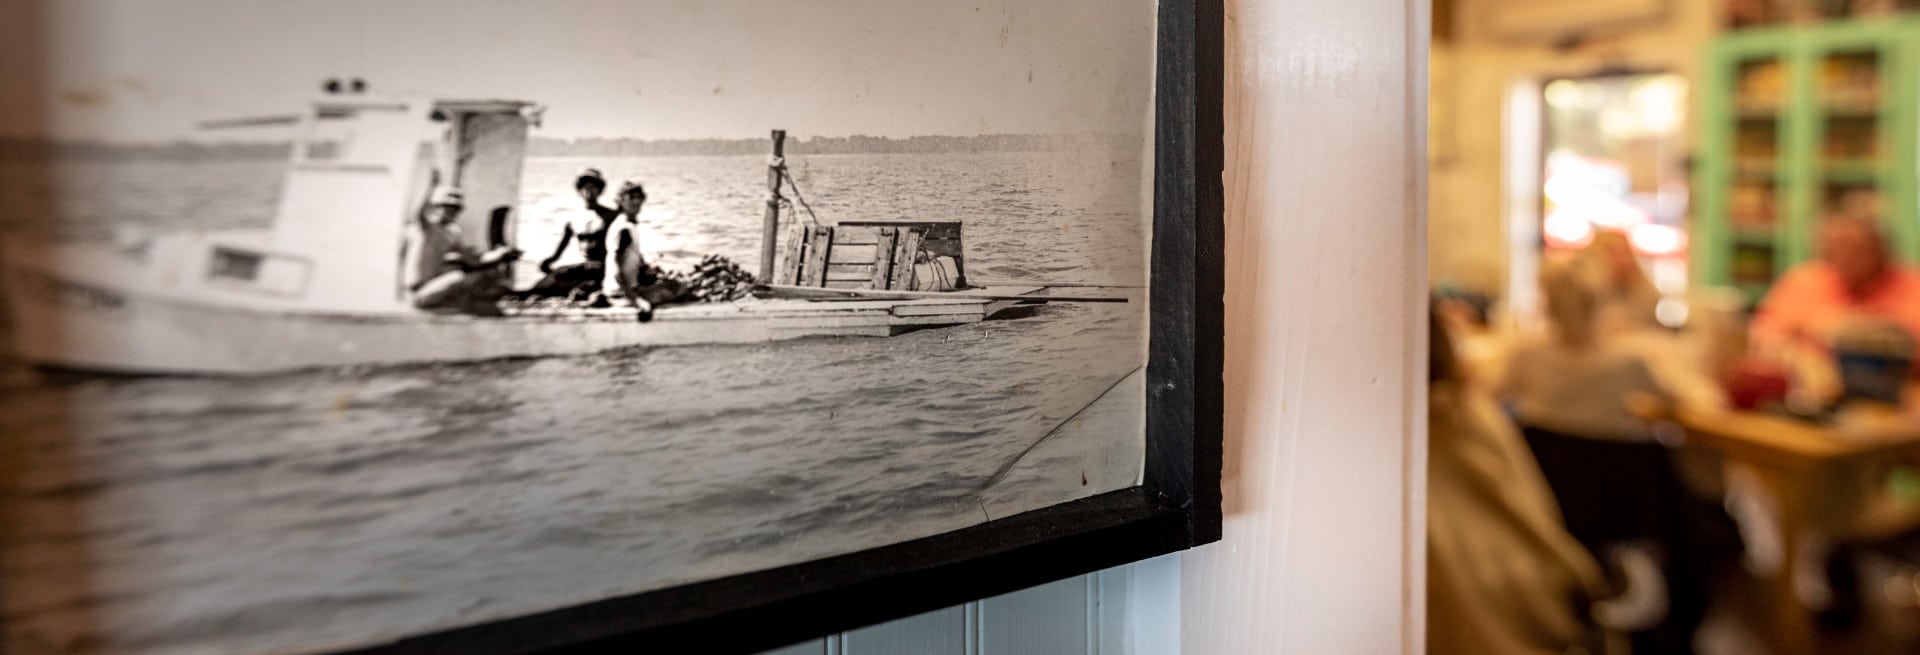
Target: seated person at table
<point>1854,285</point>
<point>1573,382</point>
<point>1854,277</point>
<point>442,272</point>
<point>1503,575</point>
<point>1573,394</point>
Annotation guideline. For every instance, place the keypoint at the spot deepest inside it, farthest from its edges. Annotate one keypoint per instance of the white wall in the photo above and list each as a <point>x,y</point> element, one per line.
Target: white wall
<point>1326,429</point>
<point>1326,297</point>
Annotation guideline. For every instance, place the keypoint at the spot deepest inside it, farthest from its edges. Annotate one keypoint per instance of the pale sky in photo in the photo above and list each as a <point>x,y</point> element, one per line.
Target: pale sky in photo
<point>148,70</point>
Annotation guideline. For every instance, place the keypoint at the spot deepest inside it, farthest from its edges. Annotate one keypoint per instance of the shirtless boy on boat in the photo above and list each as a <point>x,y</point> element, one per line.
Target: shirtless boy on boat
<point>588,227</point>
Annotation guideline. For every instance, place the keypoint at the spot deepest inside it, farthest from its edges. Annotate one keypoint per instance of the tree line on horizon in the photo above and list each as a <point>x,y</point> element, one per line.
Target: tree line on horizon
<point>17,148</point>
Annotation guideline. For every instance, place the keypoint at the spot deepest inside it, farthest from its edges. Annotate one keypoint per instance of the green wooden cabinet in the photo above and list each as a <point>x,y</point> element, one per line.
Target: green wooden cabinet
<point>1798,123</point>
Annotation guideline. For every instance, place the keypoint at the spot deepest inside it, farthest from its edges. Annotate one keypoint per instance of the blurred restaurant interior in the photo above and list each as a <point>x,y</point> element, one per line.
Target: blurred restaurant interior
<point>1675,256</point>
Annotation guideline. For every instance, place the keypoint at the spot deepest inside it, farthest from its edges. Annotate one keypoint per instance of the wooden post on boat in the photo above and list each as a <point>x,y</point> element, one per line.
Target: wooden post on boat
<point>770,230</point>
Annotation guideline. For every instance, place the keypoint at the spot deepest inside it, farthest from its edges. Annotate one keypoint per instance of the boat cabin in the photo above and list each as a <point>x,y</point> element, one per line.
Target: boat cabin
<point>359,170</point>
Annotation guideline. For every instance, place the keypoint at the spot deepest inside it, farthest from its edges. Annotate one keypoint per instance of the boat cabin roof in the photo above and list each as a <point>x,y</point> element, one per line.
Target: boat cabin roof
<point>483,106</point>
<point>346,106</point>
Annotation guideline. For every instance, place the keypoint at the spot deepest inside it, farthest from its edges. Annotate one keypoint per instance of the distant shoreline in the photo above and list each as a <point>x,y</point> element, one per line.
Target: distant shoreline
<point>35,149</point>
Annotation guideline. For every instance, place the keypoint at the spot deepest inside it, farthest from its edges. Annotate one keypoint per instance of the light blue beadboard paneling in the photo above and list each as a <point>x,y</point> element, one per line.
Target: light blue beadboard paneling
<point>1144,609</point>
<point>940,632</point>
<point>815,647</point>
<point>1110,590</point>
<point>1129,610</point>
<point>1052,619</point>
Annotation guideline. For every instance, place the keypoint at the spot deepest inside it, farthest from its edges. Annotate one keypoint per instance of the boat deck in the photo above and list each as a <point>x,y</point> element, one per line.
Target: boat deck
<point>151,335</point>
<point>960,307</point>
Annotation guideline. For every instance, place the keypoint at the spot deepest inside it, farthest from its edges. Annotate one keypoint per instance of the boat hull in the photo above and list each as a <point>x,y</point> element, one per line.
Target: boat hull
<point>65,324</point>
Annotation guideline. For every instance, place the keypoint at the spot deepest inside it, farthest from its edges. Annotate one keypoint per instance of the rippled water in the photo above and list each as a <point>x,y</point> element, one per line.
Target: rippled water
<point>335,507</point>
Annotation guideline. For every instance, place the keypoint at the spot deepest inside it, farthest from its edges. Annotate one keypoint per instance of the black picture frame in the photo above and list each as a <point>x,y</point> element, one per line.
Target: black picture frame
<point>1177,507</point>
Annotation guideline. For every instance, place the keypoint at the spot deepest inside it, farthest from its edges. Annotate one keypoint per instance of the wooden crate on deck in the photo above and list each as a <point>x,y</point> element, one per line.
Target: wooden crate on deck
<point>877,255</point>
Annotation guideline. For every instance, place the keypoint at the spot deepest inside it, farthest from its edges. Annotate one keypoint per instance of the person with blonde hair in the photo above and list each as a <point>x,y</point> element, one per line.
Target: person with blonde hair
<point>1573,381</point>
<point>1627,298</point>
<point>1573,393</point>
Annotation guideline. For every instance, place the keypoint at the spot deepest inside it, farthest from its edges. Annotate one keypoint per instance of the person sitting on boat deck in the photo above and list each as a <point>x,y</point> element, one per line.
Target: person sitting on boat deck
<point>442,271</point>
<point>588,228</point>
<point>629,278</point>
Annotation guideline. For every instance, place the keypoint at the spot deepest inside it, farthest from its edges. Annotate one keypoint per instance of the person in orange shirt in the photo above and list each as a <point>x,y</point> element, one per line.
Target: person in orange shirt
<point>1854,278</point>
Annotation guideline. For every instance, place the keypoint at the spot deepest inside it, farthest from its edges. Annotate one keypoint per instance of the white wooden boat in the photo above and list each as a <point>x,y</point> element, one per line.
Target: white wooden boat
<point>321,287</point>
<point>86,327</point>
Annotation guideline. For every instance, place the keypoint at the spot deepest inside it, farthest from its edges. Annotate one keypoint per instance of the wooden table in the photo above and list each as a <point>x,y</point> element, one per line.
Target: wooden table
<point>1803,466</point>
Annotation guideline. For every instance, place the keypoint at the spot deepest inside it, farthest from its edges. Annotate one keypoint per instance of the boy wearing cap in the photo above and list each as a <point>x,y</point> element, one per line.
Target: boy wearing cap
<point>442,272</point>
<point>588,227</point>
<point>629,277</point>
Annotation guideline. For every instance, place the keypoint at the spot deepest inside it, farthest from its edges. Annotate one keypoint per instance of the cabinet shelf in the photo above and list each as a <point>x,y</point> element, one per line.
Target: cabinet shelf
<point>1750,235</point>
<point>1851,110</point>
<point>1851,171</point>
<point>1796,121</point>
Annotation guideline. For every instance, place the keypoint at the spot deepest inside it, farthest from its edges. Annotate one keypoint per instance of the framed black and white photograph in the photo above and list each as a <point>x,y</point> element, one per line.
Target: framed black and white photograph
<point>487,326</point>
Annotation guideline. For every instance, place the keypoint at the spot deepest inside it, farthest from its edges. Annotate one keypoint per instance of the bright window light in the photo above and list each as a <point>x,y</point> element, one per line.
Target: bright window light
<point>1565,230</point>
<point>1655,240</point>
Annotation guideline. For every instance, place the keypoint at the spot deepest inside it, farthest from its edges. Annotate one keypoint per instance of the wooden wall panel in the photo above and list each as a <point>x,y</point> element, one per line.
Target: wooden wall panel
<point>1325,448</point>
